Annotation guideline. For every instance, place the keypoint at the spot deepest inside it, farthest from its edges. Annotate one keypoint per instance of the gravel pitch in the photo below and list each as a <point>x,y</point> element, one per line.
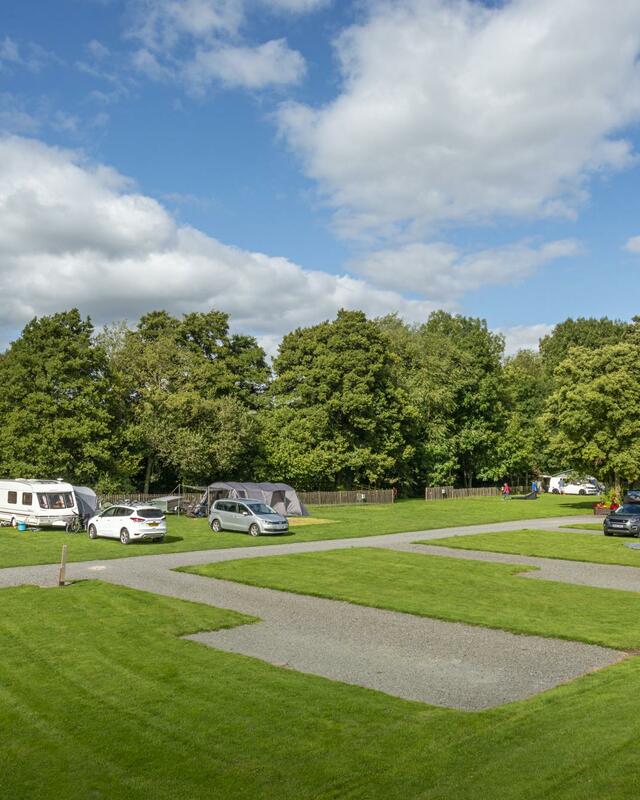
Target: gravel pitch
<point>441,663</point>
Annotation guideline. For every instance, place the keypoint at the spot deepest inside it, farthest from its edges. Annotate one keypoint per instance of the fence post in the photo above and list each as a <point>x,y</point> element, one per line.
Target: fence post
<point>63,566</point>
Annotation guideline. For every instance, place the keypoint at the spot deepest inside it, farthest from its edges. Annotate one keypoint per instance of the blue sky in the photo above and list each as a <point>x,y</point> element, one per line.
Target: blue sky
<point>280,159</point>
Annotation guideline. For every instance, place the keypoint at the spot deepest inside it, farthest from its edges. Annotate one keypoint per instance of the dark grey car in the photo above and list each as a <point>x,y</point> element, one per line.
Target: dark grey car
<point>624,521</point>
<point>248,516</point>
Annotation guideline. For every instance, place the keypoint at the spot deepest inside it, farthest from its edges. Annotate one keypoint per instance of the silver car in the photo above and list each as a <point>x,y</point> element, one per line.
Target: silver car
<point>249,516</point>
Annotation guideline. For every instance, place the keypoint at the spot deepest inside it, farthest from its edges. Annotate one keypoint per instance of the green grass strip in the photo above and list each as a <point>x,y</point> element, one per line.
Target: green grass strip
<point>588,526</point>
<point>492,595</point>
<point>549,544</point>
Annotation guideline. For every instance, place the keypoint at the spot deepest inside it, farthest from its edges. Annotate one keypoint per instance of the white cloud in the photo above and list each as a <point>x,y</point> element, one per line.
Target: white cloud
<point>445,273</point>
<point>296,6</point>
<point>148,64</point>
<point>97,50</point>
<point>454,111</point>
<point>633,244</point>
<point>161,23</point>
<point>199,43</point>
<point>9,51</point>
<point>269,64</point>
<point>74,233</point>
<point>29,55</point>
<point>524,337</point>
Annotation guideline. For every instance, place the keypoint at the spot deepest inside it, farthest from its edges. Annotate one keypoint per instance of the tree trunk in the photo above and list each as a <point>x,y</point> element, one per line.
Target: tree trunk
<point>147,477</point>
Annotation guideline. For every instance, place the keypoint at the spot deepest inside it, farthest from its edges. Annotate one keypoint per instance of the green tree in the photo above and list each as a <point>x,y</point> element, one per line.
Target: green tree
<point>581,332</point>
<point>593,411</point>
<point>58,410</point>
<point>463,357</point>
<point>190,390</point>
<point>336,415</point>
<point>522,446</point>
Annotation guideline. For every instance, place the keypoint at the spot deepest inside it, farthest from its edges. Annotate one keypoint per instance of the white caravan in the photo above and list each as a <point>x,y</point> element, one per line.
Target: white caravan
<point>40,503</point>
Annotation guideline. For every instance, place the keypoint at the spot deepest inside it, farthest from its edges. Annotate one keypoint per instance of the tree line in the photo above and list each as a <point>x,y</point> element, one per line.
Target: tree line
<point>351,402</point>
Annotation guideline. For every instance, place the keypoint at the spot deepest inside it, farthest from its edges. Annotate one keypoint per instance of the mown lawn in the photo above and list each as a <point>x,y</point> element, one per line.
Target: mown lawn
<point>100,700</point>
<point>549,544</point>
<point>492,595</point>
<point>43,547</point>
<point>588,526</point>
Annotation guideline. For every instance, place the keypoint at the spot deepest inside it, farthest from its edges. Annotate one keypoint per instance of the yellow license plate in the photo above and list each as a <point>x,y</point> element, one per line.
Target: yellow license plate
<point>153,524</point>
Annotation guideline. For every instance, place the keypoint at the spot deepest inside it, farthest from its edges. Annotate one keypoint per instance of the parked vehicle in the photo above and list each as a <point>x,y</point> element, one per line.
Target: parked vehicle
<point>581,488</point>
<point>564,483</point>
<point>130,523</point>
<point>625,520</point>
<point>250,516</point>
<point>39,503</point>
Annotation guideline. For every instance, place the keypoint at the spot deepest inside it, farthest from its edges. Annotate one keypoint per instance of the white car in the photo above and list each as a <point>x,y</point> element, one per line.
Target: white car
<point>129,523</point>
<point>579,488</point>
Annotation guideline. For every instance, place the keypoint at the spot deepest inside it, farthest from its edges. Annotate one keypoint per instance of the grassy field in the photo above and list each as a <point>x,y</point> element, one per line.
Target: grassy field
<point>43,547</point>
<point>549,544</point>
<point>100,700</point>
<point>491,595</point>
<point>588,526</point>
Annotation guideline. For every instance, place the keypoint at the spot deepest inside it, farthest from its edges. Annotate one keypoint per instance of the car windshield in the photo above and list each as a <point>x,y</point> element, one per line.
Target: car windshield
<point>629,508</point>
<point>260,508</point>
<point>55,499</point>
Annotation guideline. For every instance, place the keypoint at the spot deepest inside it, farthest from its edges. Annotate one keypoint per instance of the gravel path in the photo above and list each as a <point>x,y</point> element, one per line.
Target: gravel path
<point>441,663</point>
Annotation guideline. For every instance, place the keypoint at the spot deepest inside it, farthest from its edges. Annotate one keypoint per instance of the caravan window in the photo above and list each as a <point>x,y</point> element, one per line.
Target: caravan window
<point>27,498</point>
<point>55,500</point>
<point>12,497</point>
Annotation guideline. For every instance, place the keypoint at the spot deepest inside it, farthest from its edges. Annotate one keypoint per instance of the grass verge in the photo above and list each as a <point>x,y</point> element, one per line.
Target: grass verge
<point>491,595</point>
<point>100,699</point>
<point>588,526</point>
<point>43,547</point>
<point>548,544</point>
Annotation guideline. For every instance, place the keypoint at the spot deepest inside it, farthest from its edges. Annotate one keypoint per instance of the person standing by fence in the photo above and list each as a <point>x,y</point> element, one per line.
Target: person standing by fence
<point>506,491</point>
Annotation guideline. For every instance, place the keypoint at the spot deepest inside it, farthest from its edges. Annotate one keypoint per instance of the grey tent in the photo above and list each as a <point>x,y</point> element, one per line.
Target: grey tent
<point>87,501</point>
<point>280,496</point>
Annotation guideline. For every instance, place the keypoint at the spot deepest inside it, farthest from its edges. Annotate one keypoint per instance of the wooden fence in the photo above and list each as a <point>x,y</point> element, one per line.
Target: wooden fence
<point>449,492</point>
<point>308,498</point>
<point>346,498</point>
<point>141,497</point>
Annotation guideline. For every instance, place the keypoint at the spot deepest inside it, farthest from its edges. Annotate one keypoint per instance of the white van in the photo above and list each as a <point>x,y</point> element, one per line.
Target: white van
<point>39,503</point>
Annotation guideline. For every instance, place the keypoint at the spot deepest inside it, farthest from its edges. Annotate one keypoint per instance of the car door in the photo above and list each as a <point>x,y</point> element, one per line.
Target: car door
<point>221,511</point>
<point>244,518</point>
<point>120,520</point>
<point>104,523</point>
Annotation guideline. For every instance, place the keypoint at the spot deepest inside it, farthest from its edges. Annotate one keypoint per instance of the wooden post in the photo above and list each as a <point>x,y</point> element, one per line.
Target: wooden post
<point>63,566</point>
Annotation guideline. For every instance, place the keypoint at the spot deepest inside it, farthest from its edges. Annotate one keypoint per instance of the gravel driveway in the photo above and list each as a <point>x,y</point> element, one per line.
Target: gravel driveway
<point>441,663</point>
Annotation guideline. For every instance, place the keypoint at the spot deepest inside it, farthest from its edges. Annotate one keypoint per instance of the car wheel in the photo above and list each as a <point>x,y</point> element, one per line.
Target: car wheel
<point>93,533</point>
<point>582,491</point>
<point>555,491</point>
<point>254,529</point>
<point>159,541</point>
<point>124,536</point>
<point>216,527</point>
<point>607,533</point>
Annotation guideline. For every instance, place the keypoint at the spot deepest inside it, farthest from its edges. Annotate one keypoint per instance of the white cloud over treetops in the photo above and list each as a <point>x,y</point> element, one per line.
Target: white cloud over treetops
<point>444,272</point>
<point>452,111</point>
<point>524,337</point>
<point>73,233</point>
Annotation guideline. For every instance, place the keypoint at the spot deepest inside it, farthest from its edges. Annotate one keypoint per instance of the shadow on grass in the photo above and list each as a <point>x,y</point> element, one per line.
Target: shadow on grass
<point>580,505</point>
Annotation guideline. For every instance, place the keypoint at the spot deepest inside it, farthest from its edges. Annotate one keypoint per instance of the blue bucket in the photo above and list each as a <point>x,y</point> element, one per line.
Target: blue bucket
<point>22,525</point>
